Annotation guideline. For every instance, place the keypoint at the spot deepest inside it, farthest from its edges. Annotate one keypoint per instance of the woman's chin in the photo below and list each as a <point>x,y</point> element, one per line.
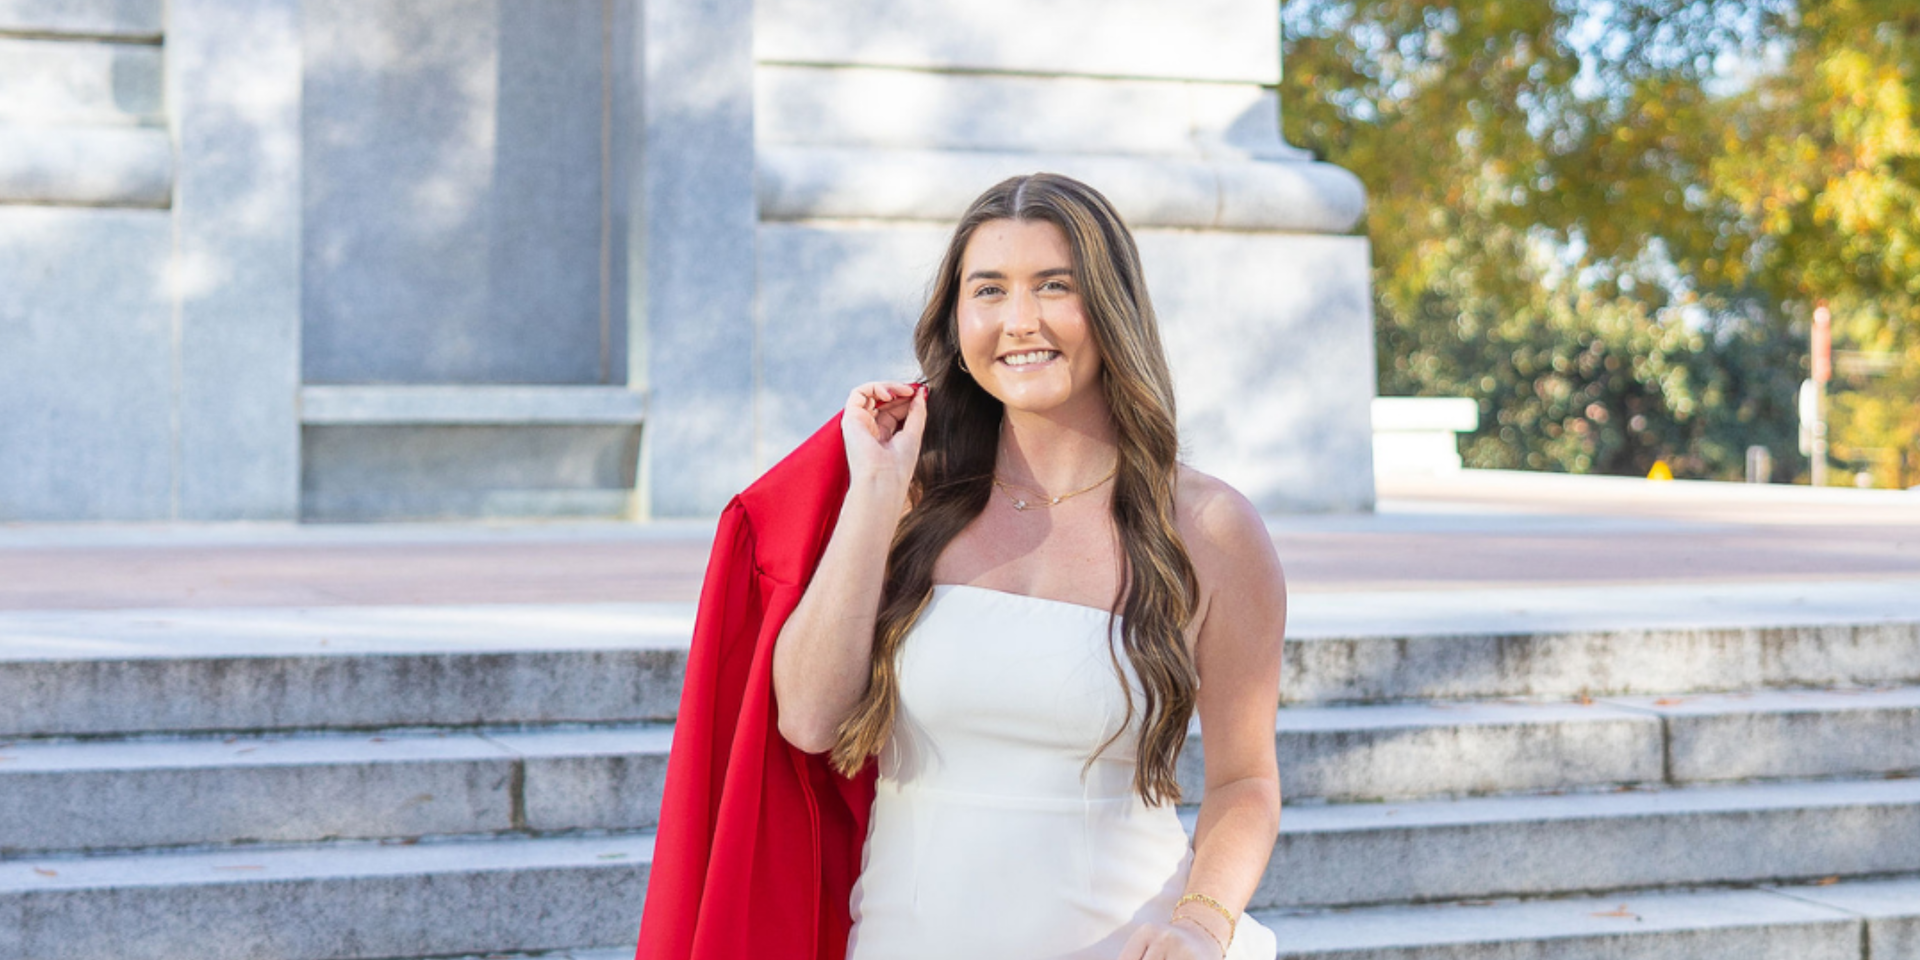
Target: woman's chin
<point>1036,401</point>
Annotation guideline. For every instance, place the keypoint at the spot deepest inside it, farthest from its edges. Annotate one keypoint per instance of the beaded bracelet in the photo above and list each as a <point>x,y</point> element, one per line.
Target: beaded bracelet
<point>1221,908</point>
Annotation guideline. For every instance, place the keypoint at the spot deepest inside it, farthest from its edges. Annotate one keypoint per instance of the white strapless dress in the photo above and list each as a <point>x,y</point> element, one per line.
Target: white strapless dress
<point>984,840</point>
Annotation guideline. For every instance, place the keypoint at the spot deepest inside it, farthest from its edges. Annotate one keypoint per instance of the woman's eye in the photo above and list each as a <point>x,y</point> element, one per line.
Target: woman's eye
<point>986,290</point>
<point>1059,286</point>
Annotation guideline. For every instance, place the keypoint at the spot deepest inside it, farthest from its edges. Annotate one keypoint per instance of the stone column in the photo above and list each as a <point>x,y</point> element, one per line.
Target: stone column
<point>690,226</point>
<point>233,96</point>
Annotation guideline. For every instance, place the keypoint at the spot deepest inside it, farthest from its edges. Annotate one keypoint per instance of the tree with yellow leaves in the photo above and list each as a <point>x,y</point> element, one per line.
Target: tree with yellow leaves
<point>1610,222</point>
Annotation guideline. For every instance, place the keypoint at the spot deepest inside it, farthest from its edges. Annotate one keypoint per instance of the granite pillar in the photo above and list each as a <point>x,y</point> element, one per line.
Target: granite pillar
<point>687,105</point>
<point>233,95</point>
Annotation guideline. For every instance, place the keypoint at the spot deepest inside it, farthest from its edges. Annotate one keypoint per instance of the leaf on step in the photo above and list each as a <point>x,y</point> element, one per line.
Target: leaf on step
<point>1669,701</point>
<point>1622,912</point>
<point>45,872</point>
<point>613,856</point>
<point>1826,881</point>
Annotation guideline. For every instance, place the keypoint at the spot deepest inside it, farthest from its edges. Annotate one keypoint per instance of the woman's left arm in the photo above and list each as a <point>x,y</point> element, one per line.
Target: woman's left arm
<point>1238,654</point>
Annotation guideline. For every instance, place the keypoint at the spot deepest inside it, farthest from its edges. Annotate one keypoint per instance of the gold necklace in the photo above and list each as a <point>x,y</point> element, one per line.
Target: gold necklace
<point>1044,500</point>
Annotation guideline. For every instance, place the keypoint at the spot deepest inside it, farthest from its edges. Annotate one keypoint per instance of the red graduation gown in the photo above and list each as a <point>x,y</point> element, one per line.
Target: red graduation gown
<point>759,842</point>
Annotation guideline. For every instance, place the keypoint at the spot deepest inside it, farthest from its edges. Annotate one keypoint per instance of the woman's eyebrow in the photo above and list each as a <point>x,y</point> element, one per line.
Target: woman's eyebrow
<point>997,275</point>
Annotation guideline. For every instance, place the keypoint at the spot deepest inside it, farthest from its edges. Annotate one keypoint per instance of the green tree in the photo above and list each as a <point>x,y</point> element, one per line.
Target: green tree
<point>1609,221</point>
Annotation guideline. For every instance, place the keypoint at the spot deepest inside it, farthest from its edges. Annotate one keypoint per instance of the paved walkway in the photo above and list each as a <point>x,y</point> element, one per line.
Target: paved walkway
<point>1483,531</point>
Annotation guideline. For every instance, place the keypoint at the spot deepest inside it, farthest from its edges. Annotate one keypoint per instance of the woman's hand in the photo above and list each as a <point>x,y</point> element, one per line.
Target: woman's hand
<point>882,428</point>
<point>1177,940</point>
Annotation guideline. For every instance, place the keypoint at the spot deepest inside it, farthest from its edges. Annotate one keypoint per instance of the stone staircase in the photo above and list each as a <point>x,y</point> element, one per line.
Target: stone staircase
<point>1706,774</point>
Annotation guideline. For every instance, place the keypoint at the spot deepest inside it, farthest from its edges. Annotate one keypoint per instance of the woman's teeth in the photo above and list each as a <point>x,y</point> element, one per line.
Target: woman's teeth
<point>1031,357</point>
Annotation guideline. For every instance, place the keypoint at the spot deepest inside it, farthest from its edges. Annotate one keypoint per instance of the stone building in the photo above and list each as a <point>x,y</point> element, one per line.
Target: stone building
<point>367,259</point>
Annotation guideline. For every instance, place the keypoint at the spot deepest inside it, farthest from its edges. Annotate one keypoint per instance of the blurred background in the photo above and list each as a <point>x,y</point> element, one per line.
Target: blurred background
<point>1613,224</point>
<point>334,260</point>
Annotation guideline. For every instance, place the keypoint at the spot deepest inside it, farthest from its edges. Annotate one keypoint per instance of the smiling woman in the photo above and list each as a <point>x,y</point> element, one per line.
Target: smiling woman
<point>1020,316</point>
<point>1025,601</point>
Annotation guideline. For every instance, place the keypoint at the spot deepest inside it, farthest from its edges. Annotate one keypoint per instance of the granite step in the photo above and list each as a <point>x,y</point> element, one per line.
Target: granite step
<point>1890,908</point>
<point>1550,845</point>
<point>339,901</point>
<point>106,795</point>
<point>1359,753</point>
<point>98,794</point>
<point>1570,642</point>
<point>1865,920</point>
<point>1787,733</point>
<point>102,673</point>
<point>1334,855</point>
<point>93,673</point>
<point>1476,748</point>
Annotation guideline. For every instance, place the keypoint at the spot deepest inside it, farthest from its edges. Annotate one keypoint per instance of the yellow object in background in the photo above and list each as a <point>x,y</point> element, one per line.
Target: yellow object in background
<point>1660,471</point>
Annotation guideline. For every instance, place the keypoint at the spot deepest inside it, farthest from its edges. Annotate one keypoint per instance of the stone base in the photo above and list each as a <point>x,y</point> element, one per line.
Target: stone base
<point>430,472</point>
<point>87,401</point>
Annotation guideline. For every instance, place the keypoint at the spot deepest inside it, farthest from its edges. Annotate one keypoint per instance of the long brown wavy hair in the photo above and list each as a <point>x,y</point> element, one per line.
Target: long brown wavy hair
<point>953,479</point>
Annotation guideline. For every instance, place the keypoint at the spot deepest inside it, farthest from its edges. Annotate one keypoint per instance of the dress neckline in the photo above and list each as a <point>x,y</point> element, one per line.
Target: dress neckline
<point>1103,611</point>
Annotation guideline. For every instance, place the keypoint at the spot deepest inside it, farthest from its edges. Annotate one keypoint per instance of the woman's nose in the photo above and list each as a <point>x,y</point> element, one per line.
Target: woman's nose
<point>1026,314</point>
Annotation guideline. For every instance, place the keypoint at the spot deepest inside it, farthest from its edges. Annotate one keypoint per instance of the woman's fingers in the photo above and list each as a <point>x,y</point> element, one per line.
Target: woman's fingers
<point>884,406</point>
<point>897,413</point>
<point>917,412</point>
<point>883,409</point>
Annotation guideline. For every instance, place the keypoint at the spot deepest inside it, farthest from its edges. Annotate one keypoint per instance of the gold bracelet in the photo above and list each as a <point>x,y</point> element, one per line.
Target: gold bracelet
<point>1232,922</point>
<point>1203,929</point>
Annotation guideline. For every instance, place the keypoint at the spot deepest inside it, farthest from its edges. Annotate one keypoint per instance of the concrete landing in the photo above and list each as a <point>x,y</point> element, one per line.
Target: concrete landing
<point>1481,529</point>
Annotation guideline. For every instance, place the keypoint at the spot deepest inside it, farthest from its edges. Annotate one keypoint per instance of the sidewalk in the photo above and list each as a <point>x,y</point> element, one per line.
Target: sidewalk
<point>1480,531</point>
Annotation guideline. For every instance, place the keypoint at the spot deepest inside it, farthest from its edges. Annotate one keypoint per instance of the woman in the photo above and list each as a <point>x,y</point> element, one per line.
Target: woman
<point>1018,537</point>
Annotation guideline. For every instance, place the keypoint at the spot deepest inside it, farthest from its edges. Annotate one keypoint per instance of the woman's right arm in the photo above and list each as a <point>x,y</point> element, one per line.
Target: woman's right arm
<point>822,658</point>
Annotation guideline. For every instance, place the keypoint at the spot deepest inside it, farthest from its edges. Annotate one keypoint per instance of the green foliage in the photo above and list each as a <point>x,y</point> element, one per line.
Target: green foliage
<point>1609,222</point>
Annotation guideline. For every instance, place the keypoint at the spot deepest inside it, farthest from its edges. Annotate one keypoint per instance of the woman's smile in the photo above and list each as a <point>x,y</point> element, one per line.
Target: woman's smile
<point>1031,359</point>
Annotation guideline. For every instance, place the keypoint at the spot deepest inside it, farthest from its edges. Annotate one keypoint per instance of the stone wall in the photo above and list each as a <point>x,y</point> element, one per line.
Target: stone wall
<point>149,169</point>
<point>348,259</point>
<point>464,335</point>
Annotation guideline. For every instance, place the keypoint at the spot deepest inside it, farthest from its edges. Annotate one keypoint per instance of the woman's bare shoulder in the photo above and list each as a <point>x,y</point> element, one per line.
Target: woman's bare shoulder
<point>1233,554</point>
<point>1215,518</point>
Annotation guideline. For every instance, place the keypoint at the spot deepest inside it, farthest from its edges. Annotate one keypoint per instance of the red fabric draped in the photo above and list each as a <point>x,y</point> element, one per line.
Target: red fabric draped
<point>759,842</point>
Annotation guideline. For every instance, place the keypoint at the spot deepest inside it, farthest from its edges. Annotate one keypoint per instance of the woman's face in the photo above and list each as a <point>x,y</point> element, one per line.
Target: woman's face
<point>1023,330</point>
